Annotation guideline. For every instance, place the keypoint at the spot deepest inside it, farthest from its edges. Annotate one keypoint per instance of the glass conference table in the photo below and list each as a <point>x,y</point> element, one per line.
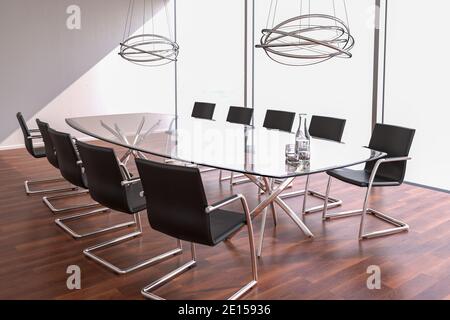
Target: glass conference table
<point>258,153</point>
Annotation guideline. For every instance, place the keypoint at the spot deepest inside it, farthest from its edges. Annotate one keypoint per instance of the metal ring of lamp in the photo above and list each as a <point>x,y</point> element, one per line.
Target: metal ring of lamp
<point>307,40</point>
<point>149,50</point>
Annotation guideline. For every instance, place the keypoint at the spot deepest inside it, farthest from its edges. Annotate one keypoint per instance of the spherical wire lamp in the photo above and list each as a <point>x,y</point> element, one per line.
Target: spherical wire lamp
<point>147,49</point>
<point>307,39</point>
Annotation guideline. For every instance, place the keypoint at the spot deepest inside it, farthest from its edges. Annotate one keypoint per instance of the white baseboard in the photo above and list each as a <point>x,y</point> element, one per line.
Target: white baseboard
<point>12,147</point>
<point>22,146</point>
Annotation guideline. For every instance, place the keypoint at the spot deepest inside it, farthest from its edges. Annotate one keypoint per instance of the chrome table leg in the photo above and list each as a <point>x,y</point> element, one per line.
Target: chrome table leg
<point>294,217</point>
<point>261,234</point>
<point>273,197</point>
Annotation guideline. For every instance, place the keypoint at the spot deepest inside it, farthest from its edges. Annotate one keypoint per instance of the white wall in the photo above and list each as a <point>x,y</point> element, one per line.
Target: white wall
<point>56,73</point>
<point>112,86</point>
<point>418,83</point>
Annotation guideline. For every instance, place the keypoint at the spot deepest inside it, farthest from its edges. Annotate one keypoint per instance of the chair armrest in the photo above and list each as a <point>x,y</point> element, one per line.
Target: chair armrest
<point>126,183</point>
<point>384,160</point>
<point>397,159</point>
<point>34,137</point>
<point>230,200</point>
<point>222,203</point>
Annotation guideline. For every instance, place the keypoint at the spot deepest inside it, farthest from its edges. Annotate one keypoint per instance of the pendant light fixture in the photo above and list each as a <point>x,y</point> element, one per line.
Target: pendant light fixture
<point>148,49</point>
<point>309,38</point>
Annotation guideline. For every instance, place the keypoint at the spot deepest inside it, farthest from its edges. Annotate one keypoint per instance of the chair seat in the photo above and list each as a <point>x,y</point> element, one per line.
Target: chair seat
<point>224,223</point>
<point>39,152</point>
<point>360,178</point>
<point>136,203</point>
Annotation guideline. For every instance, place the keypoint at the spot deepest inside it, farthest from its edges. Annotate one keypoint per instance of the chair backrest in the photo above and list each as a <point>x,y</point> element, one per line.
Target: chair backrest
<point>279,120</point>
<point>26,133</point>
<point>176,201</point>
<point>50,151</point>
<point>203,110</point>
<point>104,176</point>
<point>67,158</point>
<point>327,128</point>
<point>396,142</point>
<point>240,115</point>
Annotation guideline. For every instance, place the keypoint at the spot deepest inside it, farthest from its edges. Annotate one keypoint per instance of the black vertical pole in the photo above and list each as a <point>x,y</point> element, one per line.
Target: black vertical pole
<point>176,62</point>
<point>246,53</point>
<point>376,62</point>
<point>385,56</point>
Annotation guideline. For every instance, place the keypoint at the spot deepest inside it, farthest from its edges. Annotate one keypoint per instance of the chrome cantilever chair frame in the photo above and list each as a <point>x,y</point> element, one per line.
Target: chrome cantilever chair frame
<point>61,222</point>
<point>331,201</point>
<point>89,252</point>
<point>29,183</point>
<point>148,290</point>
<point>231,178</point>
<point>48,202</point>
<point>399,225</point>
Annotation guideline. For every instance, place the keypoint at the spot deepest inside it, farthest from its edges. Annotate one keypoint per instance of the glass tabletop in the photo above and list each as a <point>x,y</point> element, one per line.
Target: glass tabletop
<point>221,145</point>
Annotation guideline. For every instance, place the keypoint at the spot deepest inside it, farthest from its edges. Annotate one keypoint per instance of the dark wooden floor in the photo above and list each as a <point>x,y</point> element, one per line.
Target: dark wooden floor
<point>34,252</point>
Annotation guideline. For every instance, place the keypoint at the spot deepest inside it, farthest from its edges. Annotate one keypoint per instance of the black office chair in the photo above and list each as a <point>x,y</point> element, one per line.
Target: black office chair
<point>203,110</point>
<point>279,120</point>
<point>31,135</point>
<point>177,206</point>
<point>240,115</point>
<point>326,128</point>
<point>237,115</point>
<point>113,187</point>
<point>71,169</point>
<point>50,152</point>
<point>387,172</point>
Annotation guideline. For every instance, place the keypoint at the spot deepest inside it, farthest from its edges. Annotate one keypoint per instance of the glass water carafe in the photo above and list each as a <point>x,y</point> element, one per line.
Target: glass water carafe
<point>303,140</point>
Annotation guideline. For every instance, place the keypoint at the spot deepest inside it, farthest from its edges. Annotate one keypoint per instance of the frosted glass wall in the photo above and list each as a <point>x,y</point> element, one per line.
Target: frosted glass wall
<point>211,60</point>
<point>418,82</point>
<point>339,88</point>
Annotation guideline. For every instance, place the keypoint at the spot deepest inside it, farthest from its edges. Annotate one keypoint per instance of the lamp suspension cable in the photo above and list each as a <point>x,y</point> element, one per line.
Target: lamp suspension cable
<point>147,49</point>
<point>309,38</point>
